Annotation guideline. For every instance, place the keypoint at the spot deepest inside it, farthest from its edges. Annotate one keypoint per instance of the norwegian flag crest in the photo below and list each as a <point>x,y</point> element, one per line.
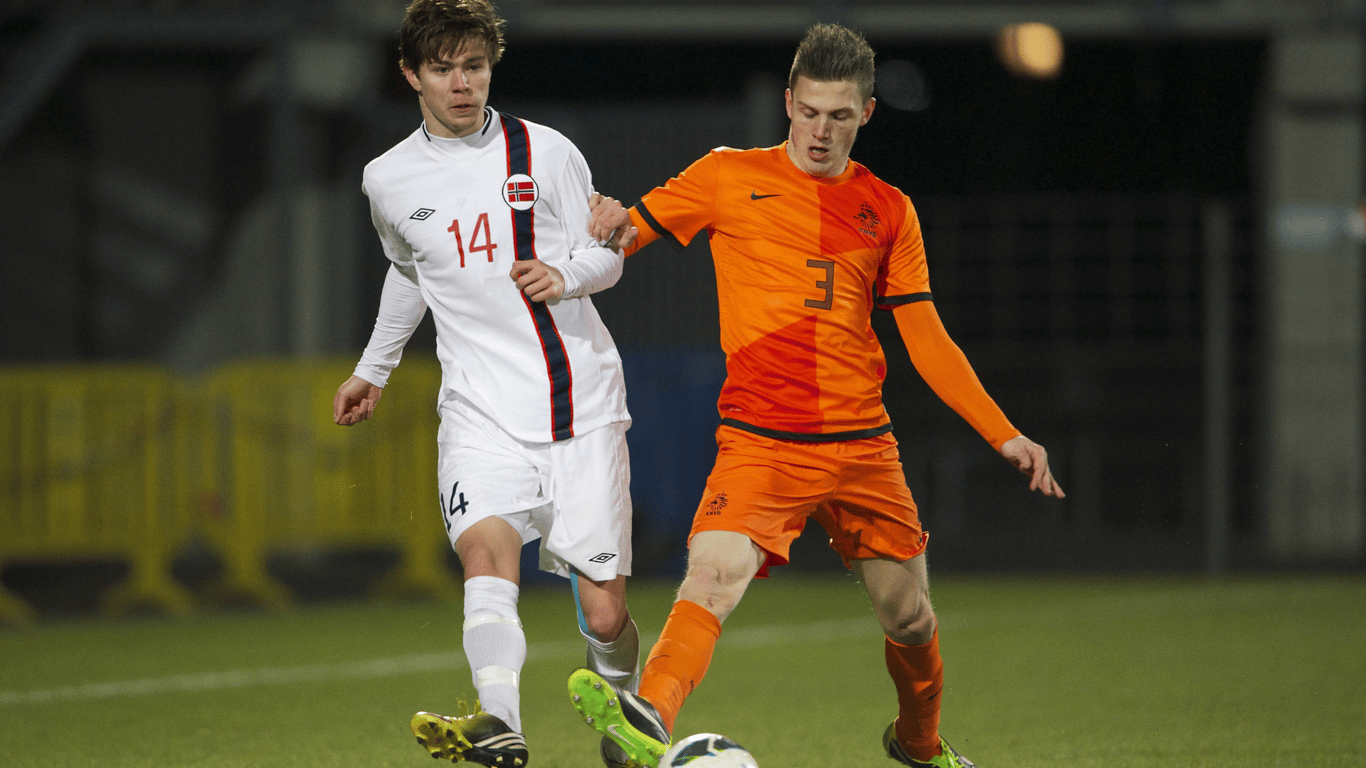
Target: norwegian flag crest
<point>521,192</point>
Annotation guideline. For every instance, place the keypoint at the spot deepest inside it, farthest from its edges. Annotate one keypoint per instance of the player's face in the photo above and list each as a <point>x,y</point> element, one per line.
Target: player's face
<point>826,116</point>
<point>453,89</point>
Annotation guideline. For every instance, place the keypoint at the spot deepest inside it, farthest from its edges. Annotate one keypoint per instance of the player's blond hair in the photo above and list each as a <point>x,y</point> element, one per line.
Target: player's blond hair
<point>830,53</point>
<point>436,28</point>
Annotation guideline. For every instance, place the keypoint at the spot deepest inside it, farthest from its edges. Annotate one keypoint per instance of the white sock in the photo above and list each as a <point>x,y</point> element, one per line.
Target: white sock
<point>618,661</point>
<point>495,646</point>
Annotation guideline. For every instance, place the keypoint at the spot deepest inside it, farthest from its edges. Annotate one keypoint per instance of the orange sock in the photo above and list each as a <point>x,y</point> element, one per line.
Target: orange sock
<point>680,658</point>
<point>918,672</point>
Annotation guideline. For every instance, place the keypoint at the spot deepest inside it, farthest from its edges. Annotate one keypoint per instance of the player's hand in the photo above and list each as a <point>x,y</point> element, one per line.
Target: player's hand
<point>1030,458</point>
<point>538,280</point>
<point>608,222</point>
<point>355,401</point>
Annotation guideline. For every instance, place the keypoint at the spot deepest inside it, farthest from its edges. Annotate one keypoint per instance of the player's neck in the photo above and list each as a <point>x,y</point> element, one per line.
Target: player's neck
<point>793,156</point>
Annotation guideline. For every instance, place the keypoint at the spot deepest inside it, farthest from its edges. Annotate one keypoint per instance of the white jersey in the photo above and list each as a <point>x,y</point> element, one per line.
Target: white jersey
<point>452,215</point>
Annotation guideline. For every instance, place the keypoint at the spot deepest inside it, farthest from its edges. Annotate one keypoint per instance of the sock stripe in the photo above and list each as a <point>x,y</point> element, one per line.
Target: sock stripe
<point>494,675</point>
<point>480,619</point>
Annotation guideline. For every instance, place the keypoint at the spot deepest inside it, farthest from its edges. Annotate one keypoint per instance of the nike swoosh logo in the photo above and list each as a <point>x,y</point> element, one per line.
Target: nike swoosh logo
<point>629,743</point>
<point>753,195</point>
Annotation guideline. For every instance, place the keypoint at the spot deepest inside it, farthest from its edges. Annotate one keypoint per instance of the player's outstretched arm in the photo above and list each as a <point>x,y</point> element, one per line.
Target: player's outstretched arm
<point>1030,458</point>
<point>946,369</point>
<point>355,401</point>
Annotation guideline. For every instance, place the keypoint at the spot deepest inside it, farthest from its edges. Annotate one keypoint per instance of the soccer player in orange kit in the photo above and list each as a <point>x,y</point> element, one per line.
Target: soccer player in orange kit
<point>806,243</point>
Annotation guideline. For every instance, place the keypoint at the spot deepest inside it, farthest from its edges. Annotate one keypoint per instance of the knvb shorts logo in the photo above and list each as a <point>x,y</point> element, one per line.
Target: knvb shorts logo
<point>717,504</point>
<point>520,192</point>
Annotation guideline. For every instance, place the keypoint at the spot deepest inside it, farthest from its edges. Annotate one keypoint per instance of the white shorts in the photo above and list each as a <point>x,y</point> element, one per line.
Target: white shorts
<point>574,495</point>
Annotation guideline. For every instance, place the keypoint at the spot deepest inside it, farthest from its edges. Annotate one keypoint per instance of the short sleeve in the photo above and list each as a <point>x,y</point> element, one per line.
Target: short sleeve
<point>685,205</point>
<point>904,276</point>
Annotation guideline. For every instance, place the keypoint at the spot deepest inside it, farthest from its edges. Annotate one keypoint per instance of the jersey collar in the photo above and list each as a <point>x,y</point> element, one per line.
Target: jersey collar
<point>475,140</point>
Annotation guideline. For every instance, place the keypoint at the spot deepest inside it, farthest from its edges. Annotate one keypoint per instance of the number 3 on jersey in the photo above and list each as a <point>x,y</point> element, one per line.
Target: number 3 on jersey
<point>481,225</point>
<point>828,284</point>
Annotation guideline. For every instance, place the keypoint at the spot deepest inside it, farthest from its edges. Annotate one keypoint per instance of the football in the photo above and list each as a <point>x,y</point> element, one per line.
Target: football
<point>707,750</point>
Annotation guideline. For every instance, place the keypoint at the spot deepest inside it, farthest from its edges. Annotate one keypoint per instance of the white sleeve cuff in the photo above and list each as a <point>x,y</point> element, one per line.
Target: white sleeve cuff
<point>590,270</point>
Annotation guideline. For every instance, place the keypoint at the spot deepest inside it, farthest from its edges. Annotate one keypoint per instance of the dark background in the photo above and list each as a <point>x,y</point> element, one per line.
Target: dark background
<point>1065,222</point>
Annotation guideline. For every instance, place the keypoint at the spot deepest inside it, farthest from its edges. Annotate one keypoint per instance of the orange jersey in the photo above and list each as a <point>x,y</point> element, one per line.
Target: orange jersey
<point>801,262</point>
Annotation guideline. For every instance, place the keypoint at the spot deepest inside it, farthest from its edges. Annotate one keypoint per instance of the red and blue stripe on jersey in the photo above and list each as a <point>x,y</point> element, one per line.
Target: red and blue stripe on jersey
<point>523,226</point>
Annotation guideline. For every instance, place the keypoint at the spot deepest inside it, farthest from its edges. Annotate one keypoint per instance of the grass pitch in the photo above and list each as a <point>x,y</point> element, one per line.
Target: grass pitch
<point>1167,673</point>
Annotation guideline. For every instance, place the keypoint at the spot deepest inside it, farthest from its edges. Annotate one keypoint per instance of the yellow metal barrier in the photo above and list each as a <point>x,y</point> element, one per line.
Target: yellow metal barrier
<point>130,463</point>
<point>90,458</point>
<point>293,478</point>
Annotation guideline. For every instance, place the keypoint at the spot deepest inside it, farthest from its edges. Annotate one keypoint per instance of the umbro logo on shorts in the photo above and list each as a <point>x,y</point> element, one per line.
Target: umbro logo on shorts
<point>602,558</point>
<point>421,214</point>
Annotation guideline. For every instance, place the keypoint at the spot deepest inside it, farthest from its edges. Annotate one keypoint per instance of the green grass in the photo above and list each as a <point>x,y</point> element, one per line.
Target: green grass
<point>1123,672</point>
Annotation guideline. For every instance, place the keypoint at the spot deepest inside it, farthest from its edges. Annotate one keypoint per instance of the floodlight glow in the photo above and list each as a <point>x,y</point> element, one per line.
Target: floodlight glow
<point>1031,50</point>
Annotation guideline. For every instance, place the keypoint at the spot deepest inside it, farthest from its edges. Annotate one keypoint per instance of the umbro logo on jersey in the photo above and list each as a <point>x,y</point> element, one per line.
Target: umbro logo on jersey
<point>602,558</point>
<point>754,195</point>
<point>520,192</point>
<point>421,214</point>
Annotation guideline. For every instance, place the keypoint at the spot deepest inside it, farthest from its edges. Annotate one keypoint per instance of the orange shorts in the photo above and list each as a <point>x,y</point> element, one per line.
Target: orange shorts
<point>856,489</point>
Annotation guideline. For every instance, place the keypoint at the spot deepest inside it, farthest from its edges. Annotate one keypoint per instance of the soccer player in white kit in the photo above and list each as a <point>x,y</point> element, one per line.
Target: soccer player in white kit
<point>484,218</point>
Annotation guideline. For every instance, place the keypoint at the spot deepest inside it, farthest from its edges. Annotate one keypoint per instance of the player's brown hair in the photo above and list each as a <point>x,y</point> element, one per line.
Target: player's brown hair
<point>433,28</point>
<point>831,52</point>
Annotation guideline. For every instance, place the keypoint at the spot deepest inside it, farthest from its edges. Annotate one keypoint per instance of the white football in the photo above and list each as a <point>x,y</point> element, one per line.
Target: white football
<point>707,750</point>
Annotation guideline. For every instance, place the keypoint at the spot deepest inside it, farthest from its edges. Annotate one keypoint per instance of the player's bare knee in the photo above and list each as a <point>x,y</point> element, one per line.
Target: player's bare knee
<point>914,624</point>
<point>714,586</point>
<point>490,547</point>
<point>603,604</point>
<point>719,604</point>
<point>606,619</point>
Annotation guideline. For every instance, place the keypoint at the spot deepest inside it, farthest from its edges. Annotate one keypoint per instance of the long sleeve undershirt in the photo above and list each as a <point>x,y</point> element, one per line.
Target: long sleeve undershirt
<point>946,369</point>
<point>590,270</point>
<point>401,308</point>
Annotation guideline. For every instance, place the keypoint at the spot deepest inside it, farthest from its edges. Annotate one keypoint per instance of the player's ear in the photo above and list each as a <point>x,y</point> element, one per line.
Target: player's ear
<point>867,111</point>
<point>787,98</point>
<point>413,79</point>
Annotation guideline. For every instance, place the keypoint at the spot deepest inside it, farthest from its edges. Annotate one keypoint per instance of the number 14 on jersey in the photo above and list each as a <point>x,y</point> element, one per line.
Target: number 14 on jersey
<point>481,226</point>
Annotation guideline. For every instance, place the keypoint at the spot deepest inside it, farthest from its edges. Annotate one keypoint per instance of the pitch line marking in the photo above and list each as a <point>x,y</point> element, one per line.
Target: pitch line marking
<point>1197,600</point>
<point>752,637</point>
